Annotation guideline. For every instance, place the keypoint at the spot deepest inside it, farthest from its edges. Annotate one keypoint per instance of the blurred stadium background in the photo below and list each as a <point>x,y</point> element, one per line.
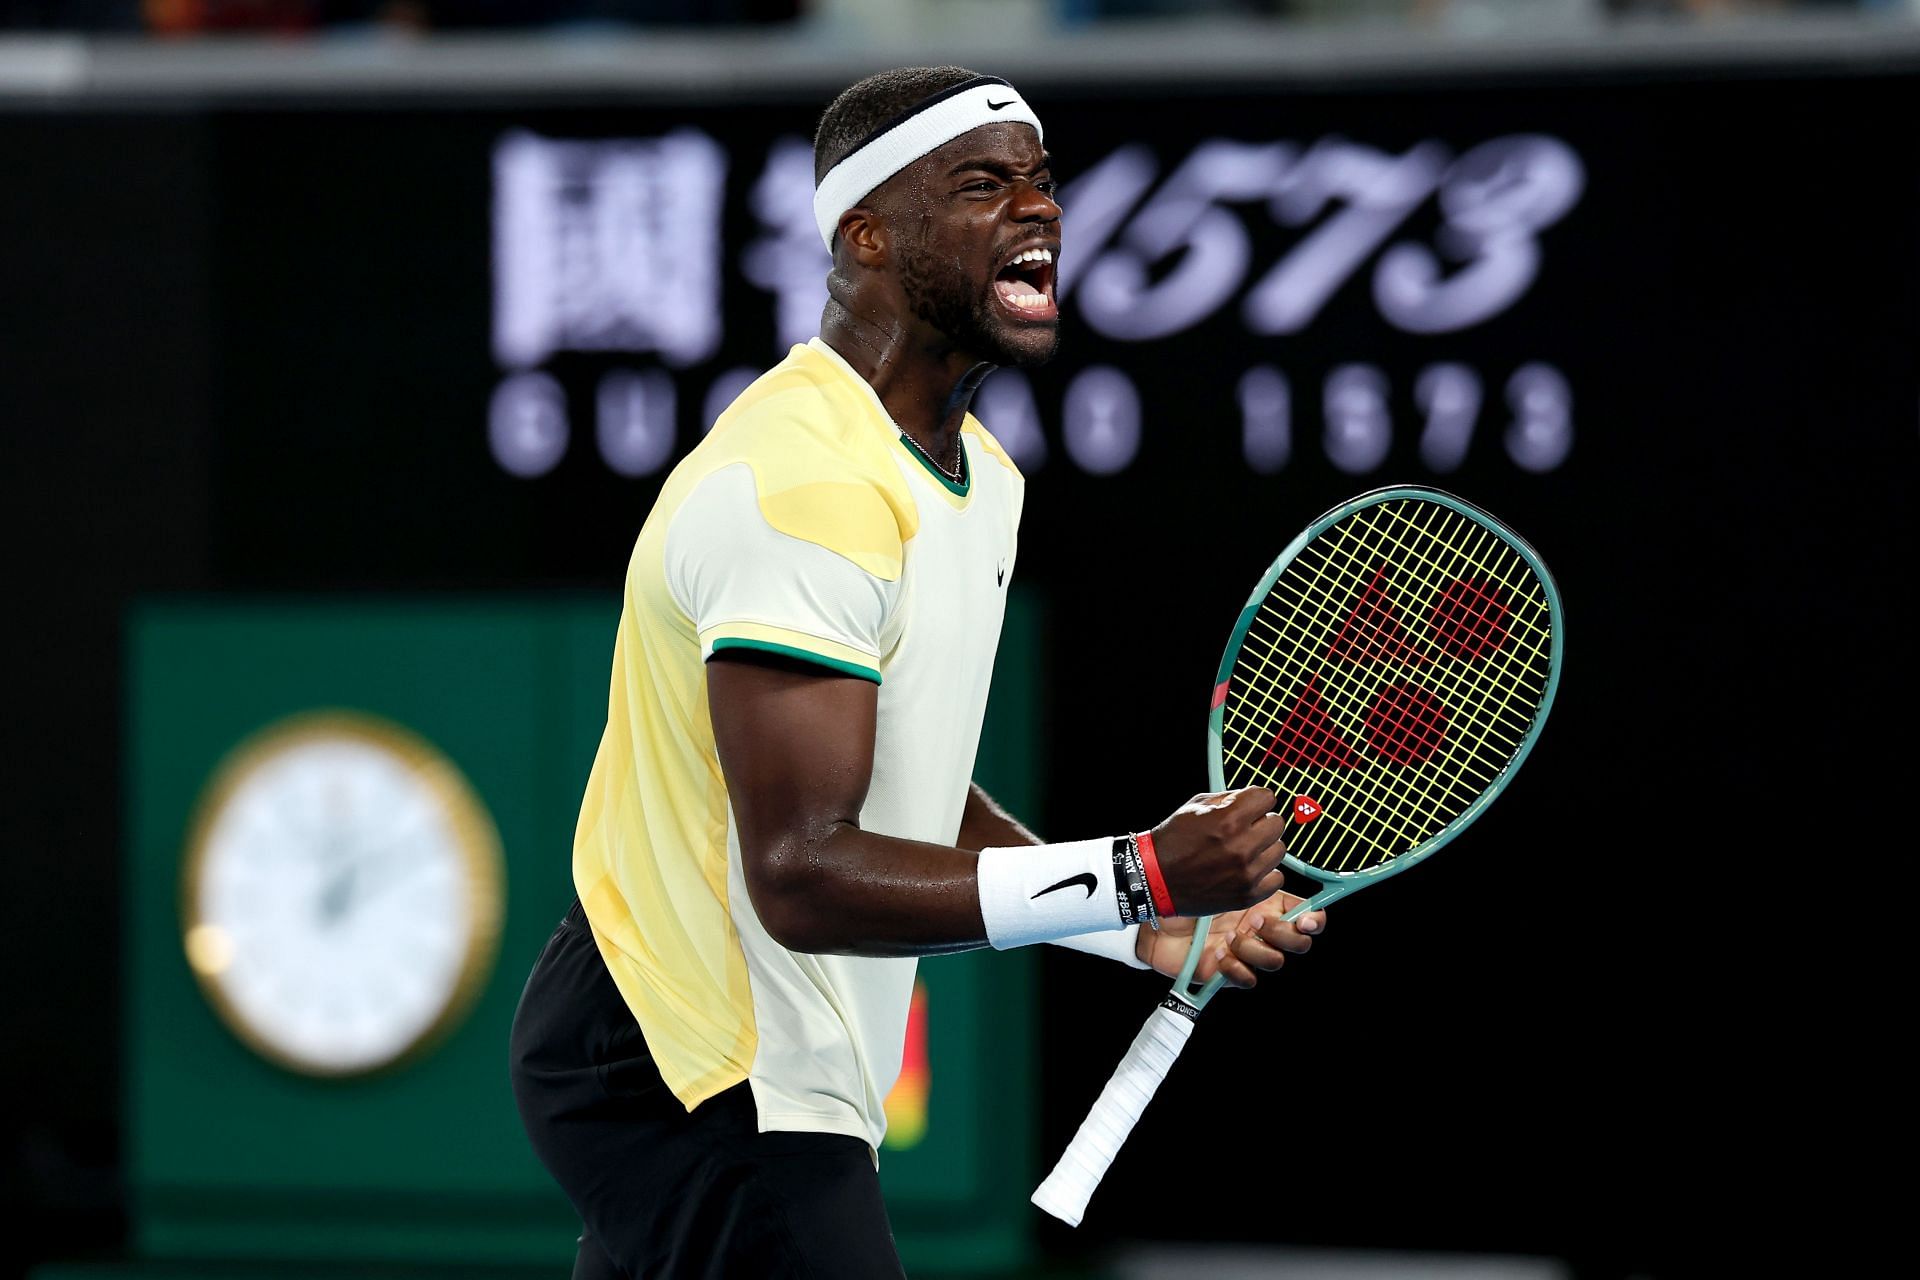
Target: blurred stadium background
<point>344,345</point>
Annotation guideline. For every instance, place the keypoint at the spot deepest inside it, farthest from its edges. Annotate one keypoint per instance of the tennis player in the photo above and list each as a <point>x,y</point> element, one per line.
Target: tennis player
<point>781,817</point>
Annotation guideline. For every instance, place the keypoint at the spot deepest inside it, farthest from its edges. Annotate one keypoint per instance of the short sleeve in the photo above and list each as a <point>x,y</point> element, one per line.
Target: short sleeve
<point>748,585</point>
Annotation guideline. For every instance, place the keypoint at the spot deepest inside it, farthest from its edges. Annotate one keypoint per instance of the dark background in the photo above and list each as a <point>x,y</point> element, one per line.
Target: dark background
<point>247,349</point>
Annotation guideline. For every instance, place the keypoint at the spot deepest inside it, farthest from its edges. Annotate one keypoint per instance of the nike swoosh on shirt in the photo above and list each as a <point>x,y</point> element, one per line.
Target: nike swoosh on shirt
<point>995,106</point>
<point>1085,880</point>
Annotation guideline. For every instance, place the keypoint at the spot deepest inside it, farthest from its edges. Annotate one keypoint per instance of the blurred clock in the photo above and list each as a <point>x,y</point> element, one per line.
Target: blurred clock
<point>342,894</point>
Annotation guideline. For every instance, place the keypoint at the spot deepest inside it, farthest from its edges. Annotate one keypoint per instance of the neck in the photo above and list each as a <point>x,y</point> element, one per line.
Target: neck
<point>924,383</point>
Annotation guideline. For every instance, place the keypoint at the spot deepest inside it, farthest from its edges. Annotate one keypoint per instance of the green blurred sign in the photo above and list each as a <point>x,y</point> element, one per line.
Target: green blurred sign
<point>232,1156</point>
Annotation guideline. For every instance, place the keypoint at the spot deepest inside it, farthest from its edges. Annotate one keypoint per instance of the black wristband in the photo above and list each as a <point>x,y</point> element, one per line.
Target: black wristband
<point>1137,866</point>
<point>1122,897</point>
<point>1130,884</point>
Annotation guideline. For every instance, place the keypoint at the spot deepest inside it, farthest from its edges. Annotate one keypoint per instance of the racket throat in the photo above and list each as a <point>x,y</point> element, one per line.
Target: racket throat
<point>1190,992</point>
<point>1184,986</point>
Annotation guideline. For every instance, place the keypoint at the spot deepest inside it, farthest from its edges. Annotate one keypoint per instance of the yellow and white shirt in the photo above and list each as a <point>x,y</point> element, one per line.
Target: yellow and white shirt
<point>804,525</point>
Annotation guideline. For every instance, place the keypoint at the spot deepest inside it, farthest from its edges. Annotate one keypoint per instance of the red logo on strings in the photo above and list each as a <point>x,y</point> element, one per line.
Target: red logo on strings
<point>1406,723</point>
<point>1305,808</point>
<point>1307,737</point>
<point>1470,620</point>
<point>1372,631</point>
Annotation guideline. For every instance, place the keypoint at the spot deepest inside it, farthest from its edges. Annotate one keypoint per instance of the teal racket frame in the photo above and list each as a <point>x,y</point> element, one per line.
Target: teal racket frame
<point>1334,885</point>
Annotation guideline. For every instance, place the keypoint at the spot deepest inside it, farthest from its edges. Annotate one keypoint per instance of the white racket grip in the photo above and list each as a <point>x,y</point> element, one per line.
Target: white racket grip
<point>1085,1161</point>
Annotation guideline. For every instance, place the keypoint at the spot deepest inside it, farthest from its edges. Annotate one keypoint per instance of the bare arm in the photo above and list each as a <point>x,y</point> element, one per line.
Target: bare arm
<point>1238,942</point>
<point>797,751</point>
<point>796,747</point>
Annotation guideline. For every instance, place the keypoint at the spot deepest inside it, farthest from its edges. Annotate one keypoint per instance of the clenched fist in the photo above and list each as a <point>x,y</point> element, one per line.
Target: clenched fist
<point>1221,851</point>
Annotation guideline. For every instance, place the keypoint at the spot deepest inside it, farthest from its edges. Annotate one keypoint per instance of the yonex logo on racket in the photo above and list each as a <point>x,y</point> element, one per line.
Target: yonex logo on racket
<point>1390,669</point>
<point>1405,723</point>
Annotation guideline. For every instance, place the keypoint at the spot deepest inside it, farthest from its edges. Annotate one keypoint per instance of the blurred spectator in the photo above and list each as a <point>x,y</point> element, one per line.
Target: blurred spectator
<point>452,14</point>
<point>1080,10</point>
<point>185,17</point>
<point>191,17</point>
<point>1514,13</point>
<point>1718,8</point>
<point>74,15</point>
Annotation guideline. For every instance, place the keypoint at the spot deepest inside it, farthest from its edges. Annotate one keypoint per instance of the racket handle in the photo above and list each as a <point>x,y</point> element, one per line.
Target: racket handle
<point>1085,1161</point>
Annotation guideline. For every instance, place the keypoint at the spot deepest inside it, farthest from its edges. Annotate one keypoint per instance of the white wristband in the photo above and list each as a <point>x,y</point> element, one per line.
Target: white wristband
<point>1123,945</point>
<point>1044,892</point>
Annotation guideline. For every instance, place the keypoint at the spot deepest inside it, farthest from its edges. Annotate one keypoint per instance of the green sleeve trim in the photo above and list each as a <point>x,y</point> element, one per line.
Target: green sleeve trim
<point>788,651</point>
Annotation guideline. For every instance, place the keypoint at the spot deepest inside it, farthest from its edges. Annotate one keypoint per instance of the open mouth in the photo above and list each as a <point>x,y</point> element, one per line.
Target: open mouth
<point>1025,285</point>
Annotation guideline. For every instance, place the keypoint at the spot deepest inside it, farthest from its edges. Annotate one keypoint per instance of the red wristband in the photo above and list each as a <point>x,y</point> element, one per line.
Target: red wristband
<point>1162,900</point>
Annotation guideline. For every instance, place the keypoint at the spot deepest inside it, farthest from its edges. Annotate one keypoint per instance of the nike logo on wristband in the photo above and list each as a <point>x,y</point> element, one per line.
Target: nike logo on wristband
<point>1085,880</point>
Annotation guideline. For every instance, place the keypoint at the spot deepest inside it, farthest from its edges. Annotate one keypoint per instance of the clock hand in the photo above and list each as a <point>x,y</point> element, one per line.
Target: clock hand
<point>365,886</point>
<point>346,864</point>
<point>336,896</point>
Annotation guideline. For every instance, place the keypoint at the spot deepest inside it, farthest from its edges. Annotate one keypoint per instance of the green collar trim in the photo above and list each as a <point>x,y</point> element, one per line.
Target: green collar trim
<point>959,490</point>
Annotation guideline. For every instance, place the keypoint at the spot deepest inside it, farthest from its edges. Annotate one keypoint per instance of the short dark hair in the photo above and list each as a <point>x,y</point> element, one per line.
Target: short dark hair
<point>871,103</point>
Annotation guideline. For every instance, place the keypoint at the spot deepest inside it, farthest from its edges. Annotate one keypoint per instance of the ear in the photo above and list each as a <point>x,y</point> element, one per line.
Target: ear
<point>862,236</point>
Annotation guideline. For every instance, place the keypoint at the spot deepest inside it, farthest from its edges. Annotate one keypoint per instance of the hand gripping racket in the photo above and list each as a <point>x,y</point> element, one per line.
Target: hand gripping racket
<point>1385,680</point>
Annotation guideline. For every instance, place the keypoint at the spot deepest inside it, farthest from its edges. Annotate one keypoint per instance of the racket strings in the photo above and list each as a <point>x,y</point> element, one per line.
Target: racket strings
<point>1402,822</point>
<point>1310,719</point>
<point>1290,629</point>
<point>1395,700</point>
<point>1450,687</point>
<point>1401,699</point>
<point>1450,677</point>
<point>1413,555</point>
<point>1381,729</point>
<point>1473,743</point>
<point>1286,627</point>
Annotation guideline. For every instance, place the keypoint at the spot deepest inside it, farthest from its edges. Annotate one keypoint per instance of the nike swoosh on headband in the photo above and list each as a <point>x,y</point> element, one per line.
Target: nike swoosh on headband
<point>930,123</point>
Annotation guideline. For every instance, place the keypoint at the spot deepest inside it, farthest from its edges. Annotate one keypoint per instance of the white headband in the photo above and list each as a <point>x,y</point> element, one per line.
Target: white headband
<point>901,141</point>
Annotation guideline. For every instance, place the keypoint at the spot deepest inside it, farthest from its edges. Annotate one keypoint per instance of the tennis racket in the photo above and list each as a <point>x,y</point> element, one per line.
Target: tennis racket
<point>1385,680</point>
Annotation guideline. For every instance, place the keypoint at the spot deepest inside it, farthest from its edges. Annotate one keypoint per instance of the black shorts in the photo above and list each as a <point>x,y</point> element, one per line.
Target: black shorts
<point>664,1192</point>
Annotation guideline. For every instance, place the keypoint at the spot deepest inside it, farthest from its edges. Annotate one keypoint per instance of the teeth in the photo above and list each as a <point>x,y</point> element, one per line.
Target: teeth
<point>1034,255</point>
